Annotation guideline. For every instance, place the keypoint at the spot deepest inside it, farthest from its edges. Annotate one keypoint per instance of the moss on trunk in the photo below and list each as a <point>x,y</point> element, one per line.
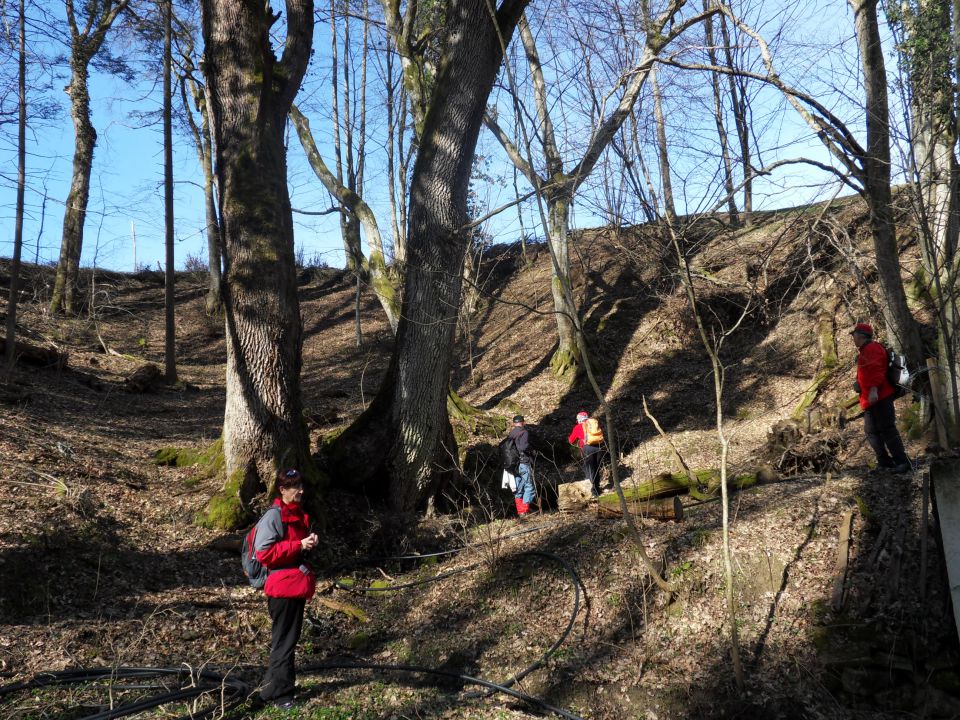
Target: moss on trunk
<point>668,484</point>
<point>475,420</point>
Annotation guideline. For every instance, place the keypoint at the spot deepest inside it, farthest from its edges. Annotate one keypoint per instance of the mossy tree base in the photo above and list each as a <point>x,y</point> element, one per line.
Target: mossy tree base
<point>224,511</point>
<point>467,419</point>
<point>565,364</point>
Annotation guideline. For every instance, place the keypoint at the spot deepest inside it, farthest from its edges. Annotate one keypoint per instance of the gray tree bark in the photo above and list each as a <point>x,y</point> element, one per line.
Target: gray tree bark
<point>84,45</point>
<point>396,447</point>
<point>876,181</point>
<point>930,65</point>
<point>12,301</point>
<point>203,143</point>
<point>250,93</point>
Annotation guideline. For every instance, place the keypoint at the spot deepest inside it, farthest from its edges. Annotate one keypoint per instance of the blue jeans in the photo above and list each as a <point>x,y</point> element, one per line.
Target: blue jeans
<point>525,490</point>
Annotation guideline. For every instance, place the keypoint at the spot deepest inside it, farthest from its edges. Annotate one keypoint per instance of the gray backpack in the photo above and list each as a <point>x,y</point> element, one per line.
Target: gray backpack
<point>256,573</point>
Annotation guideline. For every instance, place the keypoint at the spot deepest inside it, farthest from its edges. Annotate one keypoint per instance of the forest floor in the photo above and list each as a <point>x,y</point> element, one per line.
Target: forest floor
<point>103,566</point>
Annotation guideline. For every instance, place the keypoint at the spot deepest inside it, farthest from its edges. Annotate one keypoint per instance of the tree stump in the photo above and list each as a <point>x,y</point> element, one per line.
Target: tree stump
<point>144,379</point>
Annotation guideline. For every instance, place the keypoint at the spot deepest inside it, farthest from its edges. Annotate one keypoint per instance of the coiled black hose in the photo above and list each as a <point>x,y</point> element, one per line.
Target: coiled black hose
<point>234,691</point>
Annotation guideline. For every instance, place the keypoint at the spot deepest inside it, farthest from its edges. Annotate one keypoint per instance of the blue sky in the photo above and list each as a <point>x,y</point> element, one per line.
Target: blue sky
<point>127,193</point>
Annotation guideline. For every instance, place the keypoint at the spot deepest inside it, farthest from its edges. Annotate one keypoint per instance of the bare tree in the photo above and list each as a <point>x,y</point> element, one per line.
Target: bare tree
<point>250,92</point>
<point>740,105</point>
<point>718,119</point>
<point>663,154</point>
<point>865,170</point>
<point>170,332</point>
<point>557,186</point>
<point>712,344</point>
<point>190,81</point>
<point>374,270</point>
<point>96,18</point>
<point>11,329</point>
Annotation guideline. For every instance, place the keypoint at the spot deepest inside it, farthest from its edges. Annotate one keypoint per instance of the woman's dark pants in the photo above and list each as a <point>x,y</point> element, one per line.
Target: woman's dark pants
<point>287,615</point>
<point>591,466</point>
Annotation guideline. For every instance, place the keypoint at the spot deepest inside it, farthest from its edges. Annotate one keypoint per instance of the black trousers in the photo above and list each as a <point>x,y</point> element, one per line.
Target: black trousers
<point>287,616</point>
<point>591,466</point>
<point>880,426</point>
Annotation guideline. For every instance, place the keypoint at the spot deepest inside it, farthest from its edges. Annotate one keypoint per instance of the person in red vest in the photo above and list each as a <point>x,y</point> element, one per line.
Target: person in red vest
<point>281,541</point>
<point>591,453</point>
<point>876,399</point>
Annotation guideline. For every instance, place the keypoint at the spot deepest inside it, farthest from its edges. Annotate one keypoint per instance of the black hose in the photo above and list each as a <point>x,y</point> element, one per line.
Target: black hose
<point>537,664</point>
<point>530,699</point>
<point>238,690</point>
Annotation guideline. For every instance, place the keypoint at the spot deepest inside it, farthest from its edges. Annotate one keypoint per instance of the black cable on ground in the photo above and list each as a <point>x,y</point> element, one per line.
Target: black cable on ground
<point>235,692</point>
<point>530,699</point>
<point>537,664</point>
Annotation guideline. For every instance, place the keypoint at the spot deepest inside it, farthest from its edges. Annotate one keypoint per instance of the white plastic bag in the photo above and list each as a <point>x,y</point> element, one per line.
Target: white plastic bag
<point>509,481</point>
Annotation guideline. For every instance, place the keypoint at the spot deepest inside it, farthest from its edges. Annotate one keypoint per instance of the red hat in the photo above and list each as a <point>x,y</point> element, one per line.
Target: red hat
<point>863,329</point>
<point>581,416</point>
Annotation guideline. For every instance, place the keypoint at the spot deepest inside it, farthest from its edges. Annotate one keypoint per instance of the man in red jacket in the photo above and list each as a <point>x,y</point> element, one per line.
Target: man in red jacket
<point>876,399</point>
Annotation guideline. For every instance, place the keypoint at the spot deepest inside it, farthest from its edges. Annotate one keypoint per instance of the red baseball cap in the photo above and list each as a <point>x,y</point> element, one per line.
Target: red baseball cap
<point>863,329</point>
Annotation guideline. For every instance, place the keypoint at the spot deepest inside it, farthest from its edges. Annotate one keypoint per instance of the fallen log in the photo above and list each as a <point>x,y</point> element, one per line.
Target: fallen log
<point>707,484</point>
<point>39,355</point>
<point>672,509</point>
<point>576,497</point>
<point>843,556</point>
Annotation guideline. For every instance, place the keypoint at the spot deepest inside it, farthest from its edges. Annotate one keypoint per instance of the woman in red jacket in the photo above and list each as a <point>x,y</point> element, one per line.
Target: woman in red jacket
<point>876,399</point>
<point>281,540</point>
<point>591,453</point>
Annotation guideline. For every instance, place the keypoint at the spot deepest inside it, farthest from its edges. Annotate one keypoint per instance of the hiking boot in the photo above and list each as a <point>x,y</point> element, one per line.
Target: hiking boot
<point>903,468</point>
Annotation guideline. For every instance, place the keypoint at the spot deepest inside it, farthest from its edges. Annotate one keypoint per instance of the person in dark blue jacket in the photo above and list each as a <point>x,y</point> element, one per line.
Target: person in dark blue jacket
<point>525,493</point>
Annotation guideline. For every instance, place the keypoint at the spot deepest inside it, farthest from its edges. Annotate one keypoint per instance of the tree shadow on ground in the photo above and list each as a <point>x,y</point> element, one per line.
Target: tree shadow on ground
<point>92,566</point>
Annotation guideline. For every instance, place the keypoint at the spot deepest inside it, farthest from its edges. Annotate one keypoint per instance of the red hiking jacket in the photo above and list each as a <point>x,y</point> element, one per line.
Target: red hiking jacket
<point>872,372</point>
<point>576,435</point>
<point>278,549</point>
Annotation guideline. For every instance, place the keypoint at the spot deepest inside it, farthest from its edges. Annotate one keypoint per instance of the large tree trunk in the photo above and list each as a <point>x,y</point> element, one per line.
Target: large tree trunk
<point>75,213</point>
<point>934,134</point>
<point>400,437</point>
<point>263,428</point>
<point>899,321</point>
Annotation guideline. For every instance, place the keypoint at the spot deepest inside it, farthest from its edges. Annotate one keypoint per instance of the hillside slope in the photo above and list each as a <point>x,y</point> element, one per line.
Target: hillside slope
<point>102,563</point>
